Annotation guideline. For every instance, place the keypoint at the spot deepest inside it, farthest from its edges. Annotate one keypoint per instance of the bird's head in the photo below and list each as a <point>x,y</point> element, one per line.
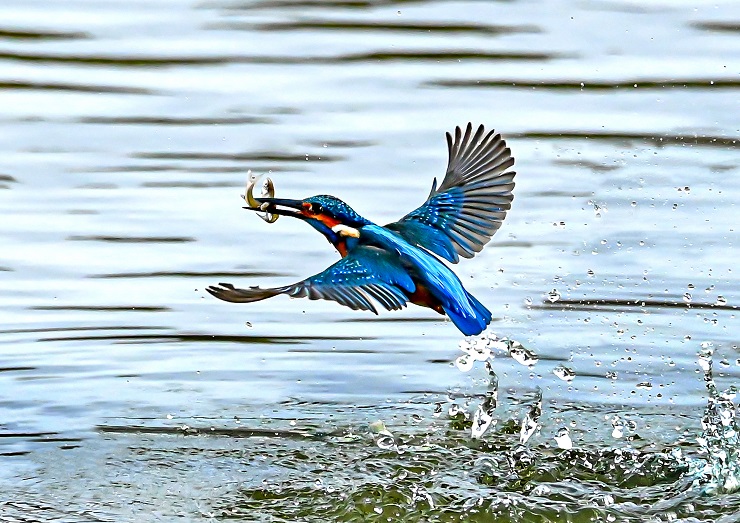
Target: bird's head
<point>327,214</point>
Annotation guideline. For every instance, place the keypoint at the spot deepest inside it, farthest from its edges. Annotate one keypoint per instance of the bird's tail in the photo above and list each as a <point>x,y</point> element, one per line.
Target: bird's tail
<point>470,320</point>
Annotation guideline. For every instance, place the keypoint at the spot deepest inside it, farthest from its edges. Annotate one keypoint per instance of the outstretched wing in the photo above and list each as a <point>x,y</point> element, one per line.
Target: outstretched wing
<point>366,274</point>
<point>461,215</point>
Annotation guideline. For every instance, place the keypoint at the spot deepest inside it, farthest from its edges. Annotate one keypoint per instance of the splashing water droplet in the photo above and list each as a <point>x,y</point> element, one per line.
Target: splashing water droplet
<point>564,373</point>
<point>456,410</point>
<point>563,439</point>
<point>481,421</point>
<point>420,495</point>
<point>483,417</point>
<point>464,362</point>
<point>529,423</point>
<point>523,355</point>
<point>618,426</point>
<point>719,471</point>
<point>553,296</point>
<point>705,357</point>
<point>383,437</point>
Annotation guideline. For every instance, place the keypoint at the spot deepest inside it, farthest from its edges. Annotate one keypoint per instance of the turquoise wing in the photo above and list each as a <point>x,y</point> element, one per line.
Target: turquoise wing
<point>465,211</point>
<point>365,274</point>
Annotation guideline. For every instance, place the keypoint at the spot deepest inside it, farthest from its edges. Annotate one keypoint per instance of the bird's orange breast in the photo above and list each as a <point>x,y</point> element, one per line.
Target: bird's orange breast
<point>422,296</point>
<point>341,246</point>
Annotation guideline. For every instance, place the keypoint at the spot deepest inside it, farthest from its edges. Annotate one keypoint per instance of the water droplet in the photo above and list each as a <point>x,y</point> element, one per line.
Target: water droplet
<point>564,373</point>
<point>420,494</point>
<point>645,385</point>
<point>528,301</point>
<point>522,355</point>
<point>634,204</point>
<point>721,301</point>
<point>481,422</point>
<point>383,437</point>
<point>618,426</point>
<point>553,296</point>
<point>464,362</point>
<point>563,439</point>
<point>456,410</point>
<point>529,423</point>
<point>591,273</point>
<point>687,297</point>
<point>611,375</point>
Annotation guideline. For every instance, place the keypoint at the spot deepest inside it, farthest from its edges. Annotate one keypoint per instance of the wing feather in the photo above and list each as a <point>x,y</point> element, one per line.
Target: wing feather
<point>365,274</point>
<point>465,211</point>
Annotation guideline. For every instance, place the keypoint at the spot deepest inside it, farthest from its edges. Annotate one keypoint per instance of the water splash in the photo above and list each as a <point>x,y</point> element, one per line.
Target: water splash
<point>529,423</point>
<point>384,439</point>
<point>562,438</point>
<point>564,373</point>
<point>523,355</point>
<point>719,471</point>
<point>482,348</point>
<point>483,417</point>
<point>618,427</point>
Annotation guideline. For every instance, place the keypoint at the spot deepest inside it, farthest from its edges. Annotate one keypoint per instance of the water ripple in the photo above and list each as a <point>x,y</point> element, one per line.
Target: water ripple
<point>656,139</point>
<point>191,274</point>
<point>175,121</point>
<point>593,85</point>
<point>17,34</point>
<point>80,88</point>
<point>130,239</point>
<point>203,338</point>
<point>384,26</point>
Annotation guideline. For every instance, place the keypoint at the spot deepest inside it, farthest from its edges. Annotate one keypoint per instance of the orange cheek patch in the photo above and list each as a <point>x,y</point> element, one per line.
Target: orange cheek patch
<point>329,222</point>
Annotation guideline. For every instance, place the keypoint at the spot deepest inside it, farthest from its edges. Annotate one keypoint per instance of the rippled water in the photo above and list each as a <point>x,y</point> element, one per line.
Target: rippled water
<point>129,394</point>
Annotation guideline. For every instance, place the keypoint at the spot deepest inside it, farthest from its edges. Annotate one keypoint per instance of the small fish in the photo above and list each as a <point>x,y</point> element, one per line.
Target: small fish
<point>267,191</point>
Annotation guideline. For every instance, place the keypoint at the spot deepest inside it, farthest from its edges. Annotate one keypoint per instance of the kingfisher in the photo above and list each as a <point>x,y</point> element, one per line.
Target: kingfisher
<point>401,262</point>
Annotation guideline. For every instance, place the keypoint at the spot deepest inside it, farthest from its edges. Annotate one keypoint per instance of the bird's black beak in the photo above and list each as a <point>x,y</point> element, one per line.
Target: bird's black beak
<point>281,206</point>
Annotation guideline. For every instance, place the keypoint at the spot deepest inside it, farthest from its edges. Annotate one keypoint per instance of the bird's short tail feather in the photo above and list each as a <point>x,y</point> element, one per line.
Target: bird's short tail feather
<point>470,325</point>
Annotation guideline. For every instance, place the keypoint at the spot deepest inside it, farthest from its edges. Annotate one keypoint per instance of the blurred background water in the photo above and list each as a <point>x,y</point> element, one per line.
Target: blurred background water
<point>129,394</point>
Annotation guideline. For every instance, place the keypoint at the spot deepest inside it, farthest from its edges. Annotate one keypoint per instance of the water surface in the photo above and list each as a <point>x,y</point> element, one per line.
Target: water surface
<point>128,393</point>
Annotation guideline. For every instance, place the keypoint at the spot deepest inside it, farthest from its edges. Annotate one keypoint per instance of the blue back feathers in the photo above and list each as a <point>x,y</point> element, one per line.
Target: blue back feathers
<point>466,312</point>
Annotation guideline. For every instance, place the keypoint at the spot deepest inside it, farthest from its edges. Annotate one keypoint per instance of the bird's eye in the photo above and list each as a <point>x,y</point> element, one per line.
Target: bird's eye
<point>317,208</point>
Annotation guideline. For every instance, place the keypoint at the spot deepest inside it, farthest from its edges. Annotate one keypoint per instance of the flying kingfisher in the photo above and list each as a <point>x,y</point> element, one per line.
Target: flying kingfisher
<point>399,262</point>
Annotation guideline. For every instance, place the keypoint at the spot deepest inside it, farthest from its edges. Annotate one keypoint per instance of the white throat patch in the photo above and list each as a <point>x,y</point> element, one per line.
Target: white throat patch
<point>344,230</point>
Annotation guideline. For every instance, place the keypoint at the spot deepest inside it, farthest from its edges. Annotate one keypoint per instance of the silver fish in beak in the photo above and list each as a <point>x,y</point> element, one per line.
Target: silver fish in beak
<point>267,190</point>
